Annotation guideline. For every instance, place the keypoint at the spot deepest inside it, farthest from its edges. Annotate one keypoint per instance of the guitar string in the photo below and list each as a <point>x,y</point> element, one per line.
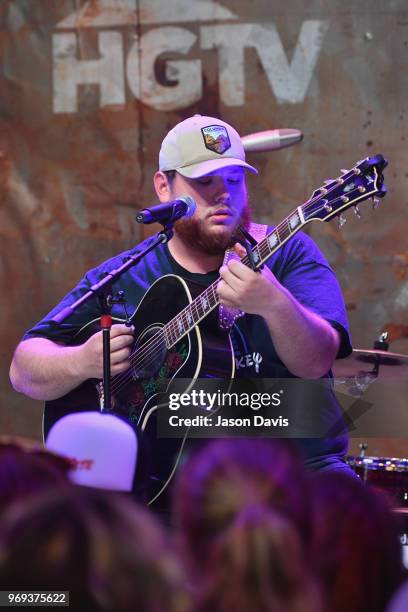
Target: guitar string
<point>149,349</point>
<point>144,355</point>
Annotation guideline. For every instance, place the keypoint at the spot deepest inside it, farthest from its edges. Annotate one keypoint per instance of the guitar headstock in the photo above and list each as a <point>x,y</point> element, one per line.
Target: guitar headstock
<point>363,181</point>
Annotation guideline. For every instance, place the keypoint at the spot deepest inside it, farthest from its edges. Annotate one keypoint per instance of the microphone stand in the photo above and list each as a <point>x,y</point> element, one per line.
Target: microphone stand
<point>102,290</point>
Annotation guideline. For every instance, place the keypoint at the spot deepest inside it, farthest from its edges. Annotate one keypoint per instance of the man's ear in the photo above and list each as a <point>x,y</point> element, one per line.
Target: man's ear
<point>162,187</point>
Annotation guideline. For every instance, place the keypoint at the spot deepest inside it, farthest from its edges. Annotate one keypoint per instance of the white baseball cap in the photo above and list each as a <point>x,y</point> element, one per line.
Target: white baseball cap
<point>102,449</point>
<point>200,145</point>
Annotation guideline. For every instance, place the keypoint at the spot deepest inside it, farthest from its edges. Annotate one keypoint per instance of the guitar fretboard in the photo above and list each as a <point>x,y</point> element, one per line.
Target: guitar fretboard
<point>359,183</point>
<point>203,304</point>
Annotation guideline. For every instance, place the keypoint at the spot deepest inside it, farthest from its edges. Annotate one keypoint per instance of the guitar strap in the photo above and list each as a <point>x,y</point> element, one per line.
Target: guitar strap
<point>227,315</point>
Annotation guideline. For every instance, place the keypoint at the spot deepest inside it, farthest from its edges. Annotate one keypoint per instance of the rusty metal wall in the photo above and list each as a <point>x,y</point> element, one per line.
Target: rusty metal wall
<point>89,88</point>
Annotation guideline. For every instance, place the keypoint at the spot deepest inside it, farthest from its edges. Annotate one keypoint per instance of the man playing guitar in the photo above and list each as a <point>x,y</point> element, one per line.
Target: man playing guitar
<point>294,325</point>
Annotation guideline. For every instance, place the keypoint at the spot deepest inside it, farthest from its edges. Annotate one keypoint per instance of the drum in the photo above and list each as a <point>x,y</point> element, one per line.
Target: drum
<point>389,475</point>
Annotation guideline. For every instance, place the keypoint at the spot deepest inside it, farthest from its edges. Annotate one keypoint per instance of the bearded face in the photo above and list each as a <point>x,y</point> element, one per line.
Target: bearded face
<point>199,233</point>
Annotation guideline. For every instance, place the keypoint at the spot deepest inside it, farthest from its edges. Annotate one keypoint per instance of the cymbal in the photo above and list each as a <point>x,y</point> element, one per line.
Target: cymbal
<point>358,371</point>
<point>380,380</point>
<point>362,363</point>
<point>363,367</point>
<point>379,357</point>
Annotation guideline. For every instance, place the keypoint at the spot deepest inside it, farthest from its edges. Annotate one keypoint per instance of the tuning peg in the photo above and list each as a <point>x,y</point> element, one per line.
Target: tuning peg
<point>328,181</point>
<point>376,202</point>
<point>341,221</point>
<point>343,170</point>
<point>357,212</point>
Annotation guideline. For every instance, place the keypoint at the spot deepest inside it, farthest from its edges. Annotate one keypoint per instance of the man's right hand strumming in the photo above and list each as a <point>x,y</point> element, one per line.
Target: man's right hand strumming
<point>45,370</point>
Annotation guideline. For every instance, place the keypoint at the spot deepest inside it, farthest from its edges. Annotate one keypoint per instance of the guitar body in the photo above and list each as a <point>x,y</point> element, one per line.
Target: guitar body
<point>204,352</point>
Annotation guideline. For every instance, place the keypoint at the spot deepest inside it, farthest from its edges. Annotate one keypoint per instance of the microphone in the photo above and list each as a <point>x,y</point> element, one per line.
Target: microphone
<point>184,206</point>
<point>271,140</point>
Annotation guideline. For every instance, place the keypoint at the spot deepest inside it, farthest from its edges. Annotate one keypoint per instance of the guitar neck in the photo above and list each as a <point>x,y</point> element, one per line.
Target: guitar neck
<point>363,181</point>
<point>204,303</point>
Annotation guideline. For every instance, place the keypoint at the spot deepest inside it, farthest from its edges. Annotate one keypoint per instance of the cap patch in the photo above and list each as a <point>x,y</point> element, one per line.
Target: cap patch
<point>216,138</point>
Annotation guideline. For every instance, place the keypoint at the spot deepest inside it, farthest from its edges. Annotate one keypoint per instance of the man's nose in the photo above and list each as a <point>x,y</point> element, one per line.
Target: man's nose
<point>222,190</point>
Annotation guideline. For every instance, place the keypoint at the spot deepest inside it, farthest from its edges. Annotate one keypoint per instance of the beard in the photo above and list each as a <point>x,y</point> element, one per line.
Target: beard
<point>195,233</point>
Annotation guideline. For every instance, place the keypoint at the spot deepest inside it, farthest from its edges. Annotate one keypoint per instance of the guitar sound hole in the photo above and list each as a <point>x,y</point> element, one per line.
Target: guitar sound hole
<point>151,351</point>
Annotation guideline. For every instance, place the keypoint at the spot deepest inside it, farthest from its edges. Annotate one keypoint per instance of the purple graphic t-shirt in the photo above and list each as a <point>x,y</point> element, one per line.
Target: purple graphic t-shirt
<point>298,265</point>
